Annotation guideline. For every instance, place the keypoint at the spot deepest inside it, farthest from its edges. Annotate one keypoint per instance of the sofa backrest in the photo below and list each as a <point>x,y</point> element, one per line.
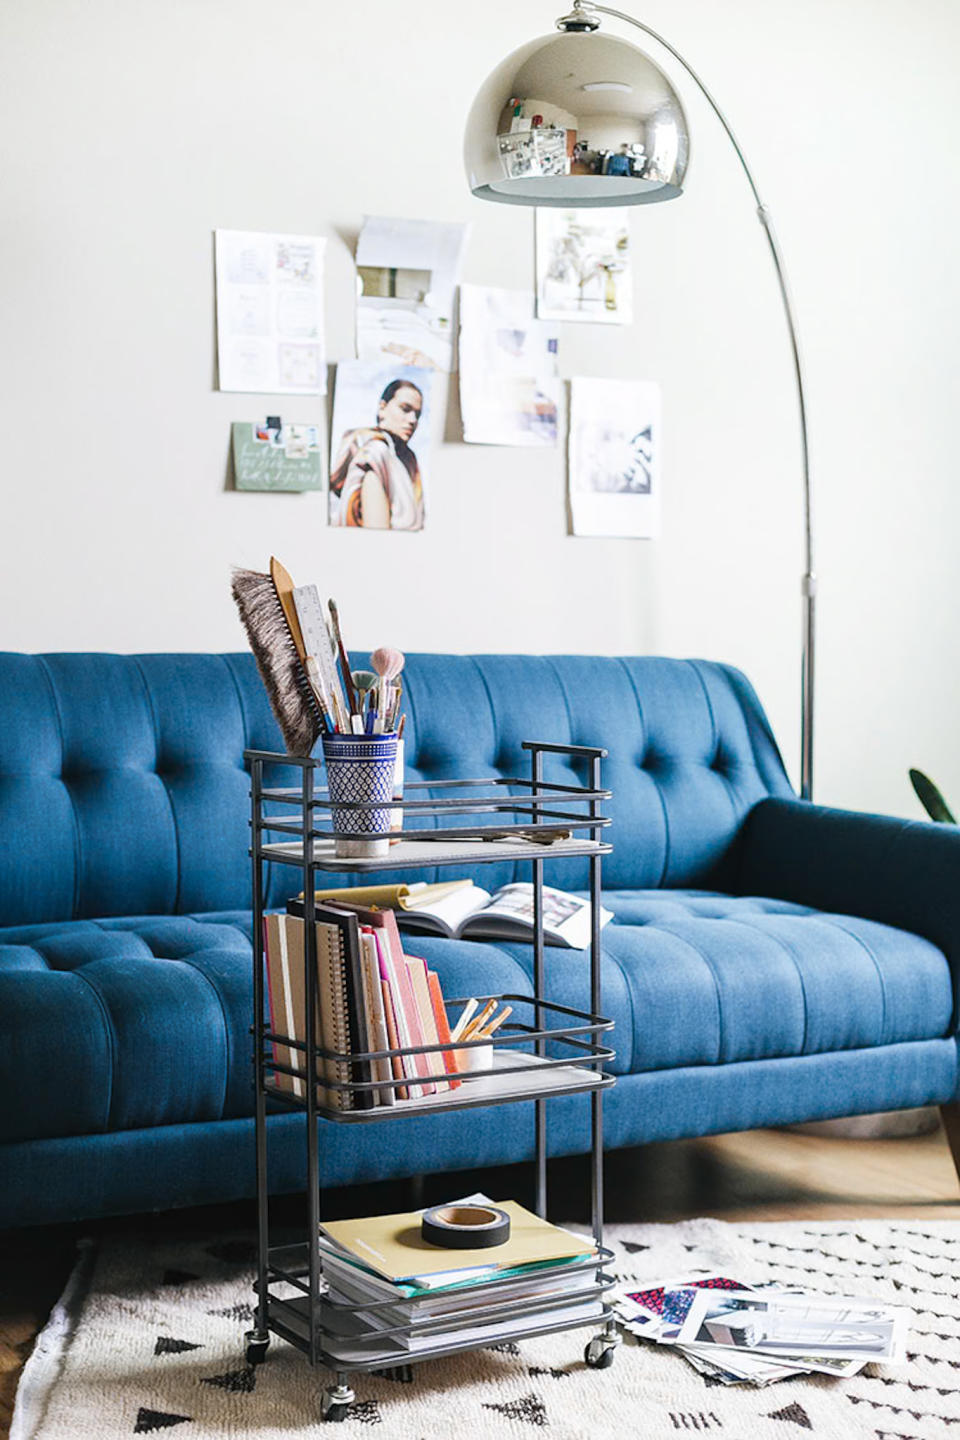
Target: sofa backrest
<point>123,789</point>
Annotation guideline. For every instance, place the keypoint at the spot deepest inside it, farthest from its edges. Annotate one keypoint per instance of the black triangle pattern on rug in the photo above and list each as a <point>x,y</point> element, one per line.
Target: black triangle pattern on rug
<point>178,1277</point>
<point>238,1382</point>
<point>166,1345</point>
<point>631,1247</point>
<point>150,1420</point>
<point>234,1312</point>
<point>793,1412</point>
<point>366,1411</point>
<point>529,1408</point>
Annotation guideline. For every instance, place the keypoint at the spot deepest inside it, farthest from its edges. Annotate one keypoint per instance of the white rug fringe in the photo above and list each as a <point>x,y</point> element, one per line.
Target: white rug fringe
<point>43,1368</point>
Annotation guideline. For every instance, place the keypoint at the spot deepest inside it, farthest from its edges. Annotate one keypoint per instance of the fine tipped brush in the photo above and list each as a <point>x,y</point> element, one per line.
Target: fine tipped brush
<point>344,660</point>
<point>286,682</point>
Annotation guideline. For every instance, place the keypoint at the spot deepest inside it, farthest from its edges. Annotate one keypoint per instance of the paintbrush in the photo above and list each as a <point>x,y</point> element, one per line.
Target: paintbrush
<point>344,661</point>
<point>279,662</point>
<point>388,663</point>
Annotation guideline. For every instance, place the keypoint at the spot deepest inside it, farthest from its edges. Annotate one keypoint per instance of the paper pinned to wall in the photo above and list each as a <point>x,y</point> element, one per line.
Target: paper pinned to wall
<point>270,336</point>
<point>273,455</point>
<point>583,265</point>
<point>380,445</point>
<point>509,390</point>
<point>614,460</point>
<point>407,274</point>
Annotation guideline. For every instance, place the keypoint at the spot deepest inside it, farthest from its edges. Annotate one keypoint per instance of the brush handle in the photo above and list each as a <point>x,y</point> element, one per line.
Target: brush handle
<point>344,662</point>
<point>283,584</point>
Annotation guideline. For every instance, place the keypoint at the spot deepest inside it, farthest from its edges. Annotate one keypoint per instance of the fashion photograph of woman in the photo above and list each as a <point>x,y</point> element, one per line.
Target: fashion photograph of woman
<point>375,476</point>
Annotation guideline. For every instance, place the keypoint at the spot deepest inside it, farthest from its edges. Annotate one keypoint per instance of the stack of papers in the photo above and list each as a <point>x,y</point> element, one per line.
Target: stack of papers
<point>741,1334</point>
<point>392,1295</point>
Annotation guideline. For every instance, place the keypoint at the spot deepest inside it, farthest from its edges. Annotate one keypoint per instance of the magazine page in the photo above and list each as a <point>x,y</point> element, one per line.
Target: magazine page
<point>444,912</point>
<point>566,917</point>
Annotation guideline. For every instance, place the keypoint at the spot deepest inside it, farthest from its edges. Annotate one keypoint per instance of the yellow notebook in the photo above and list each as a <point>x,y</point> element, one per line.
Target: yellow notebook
<point>392,1244</point>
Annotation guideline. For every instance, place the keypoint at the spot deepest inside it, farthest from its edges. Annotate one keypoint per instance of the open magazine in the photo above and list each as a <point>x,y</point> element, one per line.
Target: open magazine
<point>507,914</point>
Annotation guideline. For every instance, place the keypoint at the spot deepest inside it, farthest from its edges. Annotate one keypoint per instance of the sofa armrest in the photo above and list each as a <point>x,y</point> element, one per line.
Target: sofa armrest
<point>904,873</point>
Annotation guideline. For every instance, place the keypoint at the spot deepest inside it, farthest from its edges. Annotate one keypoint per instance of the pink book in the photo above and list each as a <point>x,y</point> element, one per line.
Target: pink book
<point>393,969</point>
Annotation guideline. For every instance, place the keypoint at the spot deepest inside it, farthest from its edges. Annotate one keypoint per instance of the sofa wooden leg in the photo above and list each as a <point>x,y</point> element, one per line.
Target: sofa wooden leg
<point>951,1123</point>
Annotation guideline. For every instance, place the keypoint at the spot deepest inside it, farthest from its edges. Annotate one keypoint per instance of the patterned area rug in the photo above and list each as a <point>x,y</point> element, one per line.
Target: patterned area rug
<point>152,1343</point>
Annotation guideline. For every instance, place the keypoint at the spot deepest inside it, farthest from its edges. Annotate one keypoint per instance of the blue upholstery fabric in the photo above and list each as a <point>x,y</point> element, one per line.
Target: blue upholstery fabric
<point>106,759</point>
<point>769,961</point>
<point>178,1165</point>
<point>157,1009</point>
<point>899,872</point>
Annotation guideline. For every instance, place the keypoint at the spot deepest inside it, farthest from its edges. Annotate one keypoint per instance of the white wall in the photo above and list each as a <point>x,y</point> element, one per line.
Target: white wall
<point>129,129</point>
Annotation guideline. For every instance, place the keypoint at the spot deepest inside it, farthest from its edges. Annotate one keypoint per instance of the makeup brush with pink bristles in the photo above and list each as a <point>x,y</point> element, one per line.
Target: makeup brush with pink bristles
<point>388,664</point>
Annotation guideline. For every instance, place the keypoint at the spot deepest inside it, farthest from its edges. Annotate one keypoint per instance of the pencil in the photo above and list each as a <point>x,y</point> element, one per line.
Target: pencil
<point>495,1023</point>
<point>471,1032</point>
<point>468,1011</point>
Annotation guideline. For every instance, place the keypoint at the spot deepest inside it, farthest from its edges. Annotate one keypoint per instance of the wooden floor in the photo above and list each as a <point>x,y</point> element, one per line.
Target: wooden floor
<point>759,1175</point>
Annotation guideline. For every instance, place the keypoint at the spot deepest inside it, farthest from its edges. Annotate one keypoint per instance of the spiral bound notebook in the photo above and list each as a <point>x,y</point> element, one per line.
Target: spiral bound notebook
<point>341,1023</point>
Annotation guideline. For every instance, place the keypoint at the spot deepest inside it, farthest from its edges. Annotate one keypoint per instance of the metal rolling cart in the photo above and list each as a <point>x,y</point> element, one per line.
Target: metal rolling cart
<point>546,1051</point>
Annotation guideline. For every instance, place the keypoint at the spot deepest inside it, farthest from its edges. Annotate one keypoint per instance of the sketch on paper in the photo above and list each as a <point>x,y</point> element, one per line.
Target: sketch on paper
<point>270,312</point>
<point>509,389</point>
<point>583,265</point>
<point>614,459</point>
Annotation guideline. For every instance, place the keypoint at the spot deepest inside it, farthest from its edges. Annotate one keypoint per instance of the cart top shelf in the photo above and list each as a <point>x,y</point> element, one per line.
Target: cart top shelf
<point>420,854</point>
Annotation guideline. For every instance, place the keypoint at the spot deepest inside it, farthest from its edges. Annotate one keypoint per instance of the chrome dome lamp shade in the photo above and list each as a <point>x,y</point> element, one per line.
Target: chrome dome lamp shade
<point>576,118</point>
<point>579,118</point>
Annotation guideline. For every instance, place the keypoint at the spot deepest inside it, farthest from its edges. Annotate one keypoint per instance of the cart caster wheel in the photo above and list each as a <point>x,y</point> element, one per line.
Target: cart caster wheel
<point>335,1404</point>
<point>599,1354</point>
<point>256,1347</point>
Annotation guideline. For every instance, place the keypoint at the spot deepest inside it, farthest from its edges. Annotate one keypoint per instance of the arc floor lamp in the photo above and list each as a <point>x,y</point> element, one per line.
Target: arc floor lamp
<point>579,118</point>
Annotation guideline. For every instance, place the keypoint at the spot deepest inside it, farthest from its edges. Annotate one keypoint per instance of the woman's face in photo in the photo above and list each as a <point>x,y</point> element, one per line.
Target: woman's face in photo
<point>401,413</point>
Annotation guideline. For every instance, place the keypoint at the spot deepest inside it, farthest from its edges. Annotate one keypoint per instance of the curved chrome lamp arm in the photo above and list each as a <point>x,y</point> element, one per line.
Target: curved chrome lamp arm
<point>809,580</point>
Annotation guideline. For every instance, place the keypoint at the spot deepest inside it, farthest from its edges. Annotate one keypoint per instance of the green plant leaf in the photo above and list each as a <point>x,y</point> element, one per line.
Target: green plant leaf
<point>931,799</point>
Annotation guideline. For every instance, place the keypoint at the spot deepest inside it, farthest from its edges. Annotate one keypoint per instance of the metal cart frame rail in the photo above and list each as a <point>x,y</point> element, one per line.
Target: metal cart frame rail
<point>311,1319</point>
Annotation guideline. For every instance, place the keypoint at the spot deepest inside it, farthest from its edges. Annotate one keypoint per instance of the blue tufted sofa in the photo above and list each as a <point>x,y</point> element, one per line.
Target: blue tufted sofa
<point>770,961</point>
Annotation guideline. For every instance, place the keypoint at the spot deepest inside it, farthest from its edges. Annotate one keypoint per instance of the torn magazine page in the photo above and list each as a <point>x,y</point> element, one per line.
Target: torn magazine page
<point>407,276</point>
<point>509,388</point>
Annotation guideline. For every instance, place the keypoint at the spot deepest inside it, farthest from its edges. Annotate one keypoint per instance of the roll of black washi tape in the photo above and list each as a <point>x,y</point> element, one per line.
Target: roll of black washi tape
<point>465,1227</point>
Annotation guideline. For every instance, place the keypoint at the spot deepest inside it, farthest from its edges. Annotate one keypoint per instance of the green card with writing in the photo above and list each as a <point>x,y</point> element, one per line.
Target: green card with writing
<point>274,456</point>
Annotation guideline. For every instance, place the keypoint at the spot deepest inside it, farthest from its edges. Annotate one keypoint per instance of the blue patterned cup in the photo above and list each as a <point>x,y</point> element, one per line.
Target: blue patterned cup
<point>360,770</point>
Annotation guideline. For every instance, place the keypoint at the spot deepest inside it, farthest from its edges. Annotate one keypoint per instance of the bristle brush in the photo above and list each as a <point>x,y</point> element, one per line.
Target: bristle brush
<point>285,680</point>
<point>388,663</point>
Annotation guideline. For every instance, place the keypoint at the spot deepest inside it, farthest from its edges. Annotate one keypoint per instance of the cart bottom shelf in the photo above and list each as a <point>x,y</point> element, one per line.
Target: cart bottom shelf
<point>289,1319</point>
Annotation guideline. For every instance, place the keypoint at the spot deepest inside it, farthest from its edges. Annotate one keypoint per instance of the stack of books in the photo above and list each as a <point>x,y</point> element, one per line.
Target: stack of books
<point>393,1296</point>
<point>370,997</point>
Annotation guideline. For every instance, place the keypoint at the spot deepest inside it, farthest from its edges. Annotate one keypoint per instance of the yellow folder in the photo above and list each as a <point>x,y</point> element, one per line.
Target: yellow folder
<point>392,1244</point>
<point>389,897</point>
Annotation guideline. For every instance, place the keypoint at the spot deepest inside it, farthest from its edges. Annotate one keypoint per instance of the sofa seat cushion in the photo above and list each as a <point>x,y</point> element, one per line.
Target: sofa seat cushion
<point>135,1022</point>
<point>122,1023</point>
<point>717,978</point>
